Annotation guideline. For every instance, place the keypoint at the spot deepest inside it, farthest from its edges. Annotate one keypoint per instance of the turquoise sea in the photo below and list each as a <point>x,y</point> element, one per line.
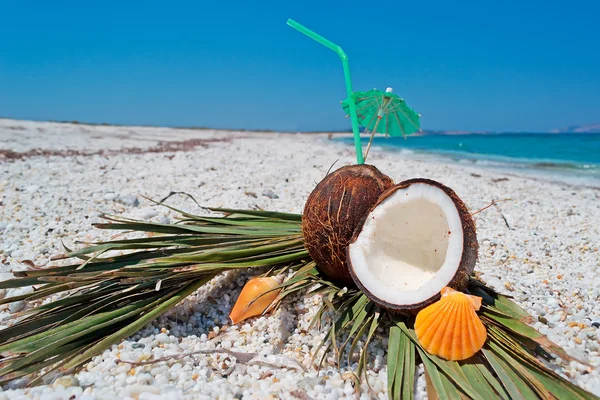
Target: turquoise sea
<point>571,157</point>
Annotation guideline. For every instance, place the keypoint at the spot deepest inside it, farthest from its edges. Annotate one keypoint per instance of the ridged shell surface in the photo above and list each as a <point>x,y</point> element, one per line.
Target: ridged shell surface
<point>451,328</point>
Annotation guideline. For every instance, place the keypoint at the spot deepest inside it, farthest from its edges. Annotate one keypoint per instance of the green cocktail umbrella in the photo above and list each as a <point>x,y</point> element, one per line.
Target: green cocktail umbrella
<point>382,112</point>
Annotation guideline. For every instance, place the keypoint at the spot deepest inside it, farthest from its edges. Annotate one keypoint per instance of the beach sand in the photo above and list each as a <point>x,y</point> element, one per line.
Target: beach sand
<point>542,247</point>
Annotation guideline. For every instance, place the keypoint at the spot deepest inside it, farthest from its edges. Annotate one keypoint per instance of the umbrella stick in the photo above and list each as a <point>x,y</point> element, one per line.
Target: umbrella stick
<point>346,67</point>
<point>373,132</point>
<point>384,104</point>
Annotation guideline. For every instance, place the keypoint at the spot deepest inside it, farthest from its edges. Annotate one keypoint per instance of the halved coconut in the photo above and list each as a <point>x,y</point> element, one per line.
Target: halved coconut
<point>334,209</point>
<point>418,238</point>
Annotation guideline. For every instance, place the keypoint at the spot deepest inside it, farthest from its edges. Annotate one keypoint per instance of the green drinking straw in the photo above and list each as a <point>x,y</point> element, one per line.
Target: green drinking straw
<point>344,57</point>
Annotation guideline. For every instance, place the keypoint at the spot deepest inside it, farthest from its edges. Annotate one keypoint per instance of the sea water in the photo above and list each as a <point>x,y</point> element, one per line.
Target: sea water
<point>574,158</point>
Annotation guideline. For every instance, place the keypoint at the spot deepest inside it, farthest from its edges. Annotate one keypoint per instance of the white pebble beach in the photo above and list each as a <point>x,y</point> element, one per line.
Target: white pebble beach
<point>541,247</point>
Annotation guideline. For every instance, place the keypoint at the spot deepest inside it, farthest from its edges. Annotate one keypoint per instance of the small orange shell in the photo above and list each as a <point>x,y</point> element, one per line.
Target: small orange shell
<point>450,328</point>
<point>256,296</point>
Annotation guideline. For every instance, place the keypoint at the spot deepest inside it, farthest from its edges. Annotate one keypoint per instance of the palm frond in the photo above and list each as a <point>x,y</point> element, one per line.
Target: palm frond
<point>107,298</point>
<point>509,366</point>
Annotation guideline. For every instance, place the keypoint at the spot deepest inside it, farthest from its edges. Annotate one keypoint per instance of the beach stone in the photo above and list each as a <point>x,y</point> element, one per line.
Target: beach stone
<point>4,276</point>
<point>16,253</point>
<point>552,301</point>
<point>137,390</point>
<point>595,388</point>
<point>17,383</point>
<point>270,194</point>
<point>66,381</point>
<point>16,306</point>
<point>110,196</point>
<point>147,213</point>
<point>129,200</point>
<point>495,283</point>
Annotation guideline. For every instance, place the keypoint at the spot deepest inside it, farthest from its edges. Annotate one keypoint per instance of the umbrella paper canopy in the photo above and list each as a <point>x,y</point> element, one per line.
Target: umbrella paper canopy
<point>383,112</point>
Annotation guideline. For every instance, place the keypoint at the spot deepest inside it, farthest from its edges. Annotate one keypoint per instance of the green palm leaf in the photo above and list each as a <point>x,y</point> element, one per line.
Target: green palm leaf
<point>108,298</point>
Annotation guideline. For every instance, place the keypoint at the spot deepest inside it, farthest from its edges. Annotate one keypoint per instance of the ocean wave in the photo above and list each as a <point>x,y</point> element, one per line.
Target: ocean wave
<point>542,161</point>
<point>492,160</point>
<point>579,173</point>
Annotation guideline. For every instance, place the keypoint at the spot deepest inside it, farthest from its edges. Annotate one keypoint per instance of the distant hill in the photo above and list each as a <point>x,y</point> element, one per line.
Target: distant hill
<point>589,128</point>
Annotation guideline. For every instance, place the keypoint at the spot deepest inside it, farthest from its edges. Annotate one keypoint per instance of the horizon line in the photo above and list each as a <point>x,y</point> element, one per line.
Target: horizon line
<point>334,131</point>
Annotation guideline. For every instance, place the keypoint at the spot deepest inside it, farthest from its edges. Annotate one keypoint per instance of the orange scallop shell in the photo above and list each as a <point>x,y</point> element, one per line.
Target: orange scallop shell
<point>256,296</point>
<point>450,328</point>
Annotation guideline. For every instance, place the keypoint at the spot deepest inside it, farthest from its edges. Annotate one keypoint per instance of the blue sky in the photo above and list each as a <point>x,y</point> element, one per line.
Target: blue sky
<point>471,65</point>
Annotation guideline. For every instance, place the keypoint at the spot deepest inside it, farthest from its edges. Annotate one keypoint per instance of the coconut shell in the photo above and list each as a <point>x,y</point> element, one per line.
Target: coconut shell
<point>468,258</point>
<point>333,210</point>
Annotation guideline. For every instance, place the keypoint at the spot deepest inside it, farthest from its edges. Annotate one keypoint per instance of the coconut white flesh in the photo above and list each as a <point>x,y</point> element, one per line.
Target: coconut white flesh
<point>410,246</point>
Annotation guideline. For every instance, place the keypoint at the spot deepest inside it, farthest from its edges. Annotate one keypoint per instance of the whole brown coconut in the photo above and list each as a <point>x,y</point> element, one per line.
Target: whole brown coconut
<point>333,210</point>
<point>416,239</point>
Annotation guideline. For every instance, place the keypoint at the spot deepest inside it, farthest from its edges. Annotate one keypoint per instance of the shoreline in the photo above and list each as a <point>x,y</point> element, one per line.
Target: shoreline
<point>182,139</point>
<point>547,257</point>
